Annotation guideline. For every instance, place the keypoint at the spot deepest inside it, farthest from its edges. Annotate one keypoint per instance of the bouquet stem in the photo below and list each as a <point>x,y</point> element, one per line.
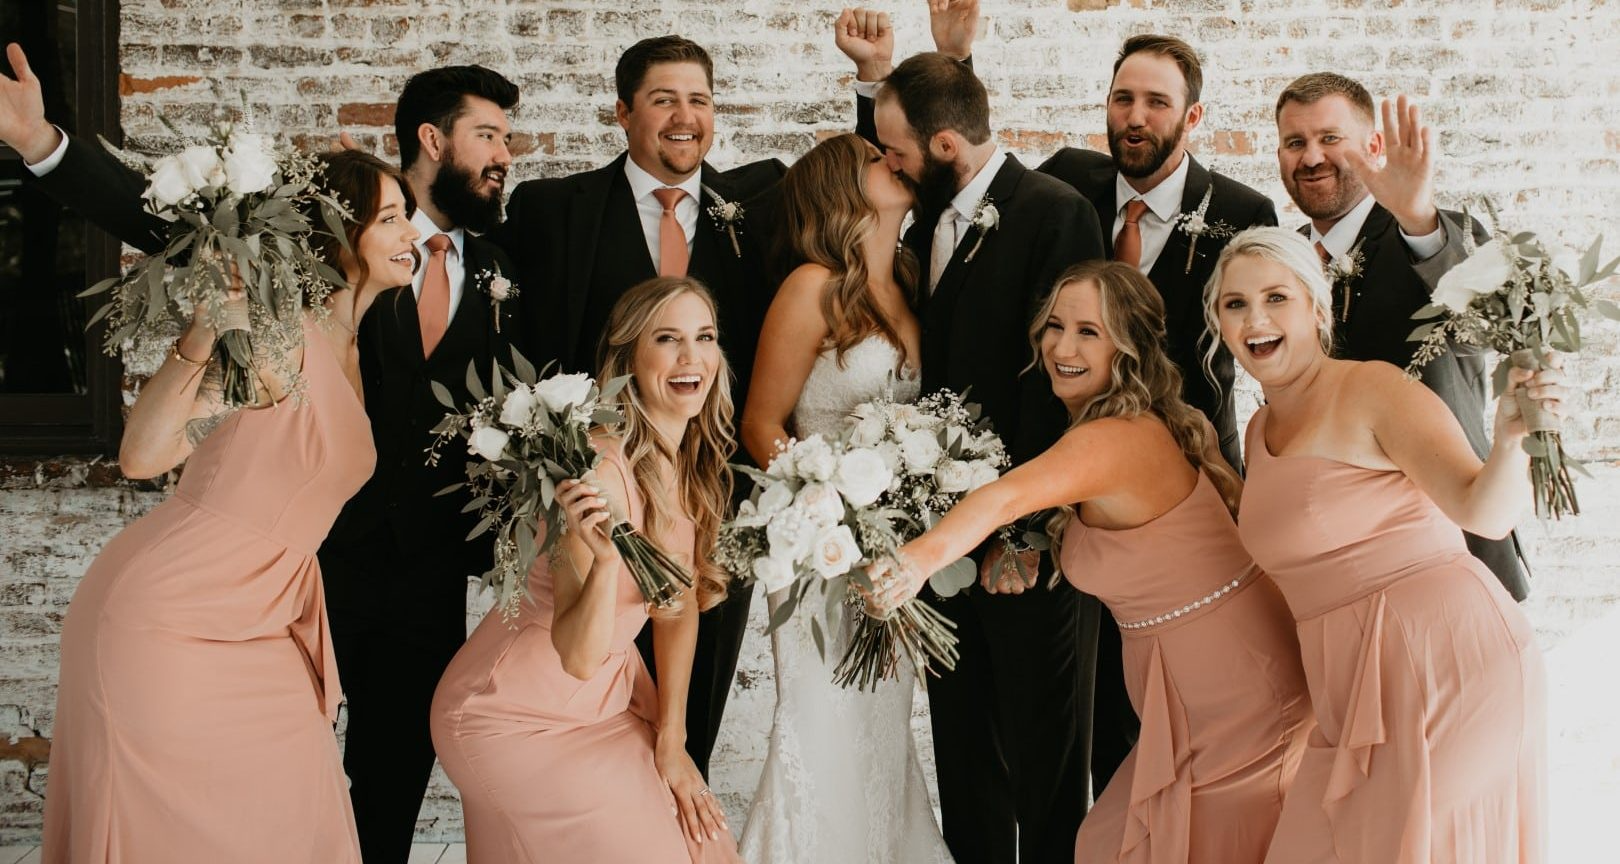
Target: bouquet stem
<point>660,578</point>
<point>1549,478</point>
<point>915,629</point>
<point>235,352</point>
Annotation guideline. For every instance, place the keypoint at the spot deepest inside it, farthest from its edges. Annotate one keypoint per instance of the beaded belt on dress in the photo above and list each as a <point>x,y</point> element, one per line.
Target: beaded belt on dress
<point>1188,609</point>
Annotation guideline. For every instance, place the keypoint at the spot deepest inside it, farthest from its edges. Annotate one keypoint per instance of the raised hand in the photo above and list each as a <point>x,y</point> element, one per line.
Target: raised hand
<point>865,36</point>
<point>588,517</point>
<point>954,24</point>
<point>1545,388</point>
<point>1404,185</point>
<point>22,111</point>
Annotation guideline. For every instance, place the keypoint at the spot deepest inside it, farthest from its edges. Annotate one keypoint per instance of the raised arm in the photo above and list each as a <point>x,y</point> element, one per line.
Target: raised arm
<point>789,343</point>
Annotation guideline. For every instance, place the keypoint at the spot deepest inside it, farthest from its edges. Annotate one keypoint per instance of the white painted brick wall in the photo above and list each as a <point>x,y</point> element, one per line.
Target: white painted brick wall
<point>1523,93</point>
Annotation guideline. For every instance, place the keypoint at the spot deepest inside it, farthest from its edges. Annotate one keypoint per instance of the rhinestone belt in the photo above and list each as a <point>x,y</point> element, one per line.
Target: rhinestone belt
<point>1188,609</point>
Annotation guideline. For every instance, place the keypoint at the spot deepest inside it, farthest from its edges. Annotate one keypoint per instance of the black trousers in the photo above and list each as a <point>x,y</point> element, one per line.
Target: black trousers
<point>1114,724</point>
<point>1011,725</point>
<point>396,624</point>
<point>714,668</point>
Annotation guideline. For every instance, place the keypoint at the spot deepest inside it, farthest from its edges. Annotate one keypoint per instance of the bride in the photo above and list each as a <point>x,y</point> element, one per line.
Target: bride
<point>841,780</point>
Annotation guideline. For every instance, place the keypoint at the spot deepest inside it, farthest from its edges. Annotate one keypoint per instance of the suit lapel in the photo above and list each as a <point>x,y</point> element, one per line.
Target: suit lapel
<point>585,209</point>
<point>1172,261</point>
<point>956,272</point>
<point>1106,203</point>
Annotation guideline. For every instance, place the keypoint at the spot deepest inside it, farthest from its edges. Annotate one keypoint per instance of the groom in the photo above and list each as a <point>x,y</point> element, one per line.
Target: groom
<point>1011,721</point>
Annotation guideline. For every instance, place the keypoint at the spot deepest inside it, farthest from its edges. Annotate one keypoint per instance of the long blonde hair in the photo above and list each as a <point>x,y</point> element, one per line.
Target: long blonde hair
<point>1282,246</point>
<point>827,217</point>
<point>1141,378</point>
<point>703,480</point>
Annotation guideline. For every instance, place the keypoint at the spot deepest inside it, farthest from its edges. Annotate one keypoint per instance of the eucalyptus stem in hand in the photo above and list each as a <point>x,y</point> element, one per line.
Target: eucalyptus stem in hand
<point>660,578</point>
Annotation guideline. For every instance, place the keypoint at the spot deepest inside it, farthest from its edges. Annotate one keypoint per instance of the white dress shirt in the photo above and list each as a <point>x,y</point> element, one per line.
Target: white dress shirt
<point>454,263</point>
<point>642,186</point>
<point>49,163</point>
<point>1164,205</point>
<point>965,203</point>
<point>1342,236</point>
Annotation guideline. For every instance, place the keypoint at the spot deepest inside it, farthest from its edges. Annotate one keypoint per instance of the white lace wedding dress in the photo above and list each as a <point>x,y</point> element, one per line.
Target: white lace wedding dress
<point>841,782</point>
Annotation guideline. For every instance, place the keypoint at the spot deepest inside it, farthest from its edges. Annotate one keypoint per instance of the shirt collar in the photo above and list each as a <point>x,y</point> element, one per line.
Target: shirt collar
<point>1338,239</point>
<point>424,224</point>
<point>1164,199</point>
<point>642,183</point>
<point>967,201</point>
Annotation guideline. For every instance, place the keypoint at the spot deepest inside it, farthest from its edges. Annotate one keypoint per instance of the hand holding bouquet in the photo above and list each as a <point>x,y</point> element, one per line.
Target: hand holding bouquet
<point>531,437</point>
<point>1510,295</point>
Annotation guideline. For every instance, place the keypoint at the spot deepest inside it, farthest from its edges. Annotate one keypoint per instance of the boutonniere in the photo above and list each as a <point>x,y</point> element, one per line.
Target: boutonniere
<point>1194,226</point>
<point>1344,269</point>
<point>986,218</point>
<point>727,215</point>
<point>498,287</point>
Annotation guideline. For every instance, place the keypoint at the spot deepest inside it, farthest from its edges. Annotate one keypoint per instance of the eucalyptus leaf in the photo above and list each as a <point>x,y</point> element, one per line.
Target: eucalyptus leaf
<point>442,393</point>
<point>448,489</point>
<point>482,526</point>
<point>815,633</point>
<point>524,369</point>
<point>783,612</point>
<point>1432,310</point>
<point>949,580</point>
<point>474,386</point>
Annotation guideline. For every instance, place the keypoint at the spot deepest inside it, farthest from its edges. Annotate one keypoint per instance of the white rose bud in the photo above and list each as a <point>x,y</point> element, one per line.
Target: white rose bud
<point>889,452</point>
<point>984,474</point>
<point>789,534</point>
<point>487,442</point>
<point>168,185</point>
<point>772,572</point>
<point>202,166</point>
<point>920,449</point>
<point>821,503</point>
<point>561,391</point>
<point>954,476</point>
<point>867,432</point>
<point>814,459</point>
<point>834,551</point>
<point>1480,273</point>
<point>776,498</point>
<point>500,288</point>
<point>248,165</point>
<point>862,476</point>
<point>519,406</point>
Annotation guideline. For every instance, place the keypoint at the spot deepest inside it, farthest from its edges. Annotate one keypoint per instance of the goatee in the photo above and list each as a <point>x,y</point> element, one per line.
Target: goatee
<point>455,192</point>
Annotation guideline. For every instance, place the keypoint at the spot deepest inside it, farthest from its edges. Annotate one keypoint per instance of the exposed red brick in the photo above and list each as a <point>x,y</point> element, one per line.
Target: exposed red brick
<point>366,114</point>
<point>30,751</point>
<point>129,86</point>
<point>1229,143</point>
<point>1031,140</point>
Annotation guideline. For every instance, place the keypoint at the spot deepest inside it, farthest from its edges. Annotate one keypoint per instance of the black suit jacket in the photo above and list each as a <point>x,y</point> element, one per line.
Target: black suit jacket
<point>1182,288</point>
<point>1383,297</point>
<point>579,238</point>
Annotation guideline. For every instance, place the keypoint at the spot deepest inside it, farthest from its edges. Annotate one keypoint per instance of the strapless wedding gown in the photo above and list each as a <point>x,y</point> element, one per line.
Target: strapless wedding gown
<point>842,781</point>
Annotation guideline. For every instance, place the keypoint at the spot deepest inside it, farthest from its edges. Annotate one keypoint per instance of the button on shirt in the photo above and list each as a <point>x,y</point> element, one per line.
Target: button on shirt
<point>454,263</point>
<point>1164,205</point>
<point>966,202</point>
<point>1338,239</point>
<point>642,186</point>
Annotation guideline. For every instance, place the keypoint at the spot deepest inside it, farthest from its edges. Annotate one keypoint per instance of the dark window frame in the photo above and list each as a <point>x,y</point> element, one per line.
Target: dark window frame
<point>44,424</point>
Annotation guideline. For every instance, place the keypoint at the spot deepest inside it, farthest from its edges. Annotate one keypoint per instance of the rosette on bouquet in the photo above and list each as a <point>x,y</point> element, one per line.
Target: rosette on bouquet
<point>530,434</point>
<point>1514,297</point>
<point>825,509</point>
<point>237,210</point>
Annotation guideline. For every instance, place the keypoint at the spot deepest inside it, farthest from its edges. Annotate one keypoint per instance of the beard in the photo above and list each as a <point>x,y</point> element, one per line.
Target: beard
<point>455,192</point>
<point>936,185</point>
<point>1325,203</point>
<point>1136,163</point>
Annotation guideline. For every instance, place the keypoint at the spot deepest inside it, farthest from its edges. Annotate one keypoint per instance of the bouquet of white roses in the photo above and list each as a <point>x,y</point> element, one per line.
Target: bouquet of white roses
<point>235,209</point>
<point>824,510</point>
<point>531,435</point>
<point>1511,296</point>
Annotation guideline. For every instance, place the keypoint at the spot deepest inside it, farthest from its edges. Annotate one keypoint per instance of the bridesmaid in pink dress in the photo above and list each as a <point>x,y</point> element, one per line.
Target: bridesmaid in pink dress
<point>1211,662</point>
<point>1425,676</point>
<point>561,744</point>
<point>198,688</point>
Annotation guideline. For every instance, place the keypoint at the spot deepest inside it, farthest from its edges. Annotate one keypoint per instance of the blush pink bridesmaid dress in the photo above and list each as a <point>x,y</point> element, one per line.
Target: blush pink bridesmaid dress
<point>1428,687</point>
<point>198,688</point>
<point>552,768</point>
<point>1212,669</point>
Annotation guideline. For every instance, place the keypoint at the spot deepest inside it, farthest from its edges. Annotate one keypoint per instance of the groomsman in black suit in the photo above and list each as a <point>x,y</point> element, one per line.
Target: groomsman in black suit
<point>1010,722</point>
<point>1388,246</point>
<point>1153,188</point>
<point>397,561</point>
<point>656,209</point>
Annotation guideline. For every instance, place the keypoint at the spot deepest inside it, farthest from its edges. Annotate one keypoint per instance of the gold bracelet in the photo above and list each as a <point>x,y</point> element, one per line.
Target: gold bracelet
<point>198,364</point>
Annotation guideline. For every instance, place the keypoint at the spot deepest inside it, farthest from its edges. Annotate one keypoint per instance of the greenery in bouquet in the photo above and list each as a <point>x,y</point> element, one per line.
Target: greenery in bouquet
<point>529,434</point>
<point>1515,298</point>
<point>236,208</point>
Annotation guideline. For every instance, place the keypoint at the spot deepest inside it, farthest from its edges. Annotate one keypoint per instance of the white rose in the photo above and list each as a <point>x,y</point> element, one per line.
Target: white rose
<point>500,288</point>
<point>776,499</point>
<point>889,452</point>
<point>954,476</point>
<point>1480,273</point>
<point>834,551</point>
<point>867,432</point>
<point>814,459</point>
<point>821,503</point>
<point>248,165</point>
<point>168,185</point>
<point>774,573</point>
<point>487,442</point>
<point>561,391</point>
<point>748,516</point>
<point>905,417</point>
<point>519,406</point>
<point>202,166</point>
<point>984,474</point>
<point>862,476</point>
<point>789,534</point>
<point>920,448</point>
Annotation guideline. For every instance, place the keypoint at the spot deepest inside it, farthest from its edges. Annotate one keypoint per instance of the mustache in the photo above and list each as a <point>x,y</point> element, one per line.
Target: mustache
<point>1317,173</point>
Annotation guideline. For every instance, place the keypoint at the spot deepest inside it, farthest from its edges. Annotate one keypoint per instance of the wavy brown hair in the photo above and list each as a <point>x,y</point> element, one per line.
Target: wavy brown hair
<point>703,479</point>
<point>827,216</point>
<point>357,179</point>
<point>1141,378</point>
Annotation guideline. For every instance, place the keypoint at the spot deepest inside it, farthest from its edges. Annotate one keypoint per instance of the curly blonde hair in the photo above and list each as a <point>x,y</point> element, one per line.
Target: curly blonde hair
<point>703,479</point>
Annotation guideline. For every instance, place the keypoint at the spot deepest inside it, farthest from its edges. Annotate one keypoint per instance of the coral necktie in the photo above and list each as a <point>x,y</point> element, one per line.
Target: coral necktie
<point>672,254</point>
<point>1128,245</point>
<point>433,306</point>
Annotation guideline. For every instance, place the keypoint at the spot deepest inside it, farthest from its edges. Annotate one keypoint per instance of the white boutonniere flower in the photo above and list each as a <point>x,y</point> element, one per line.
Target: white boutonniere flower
<point>986,218</point>
<point>1344,269</point>
<point>727,215</point>
<point>498,287</point>
<point>1194,225</point>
